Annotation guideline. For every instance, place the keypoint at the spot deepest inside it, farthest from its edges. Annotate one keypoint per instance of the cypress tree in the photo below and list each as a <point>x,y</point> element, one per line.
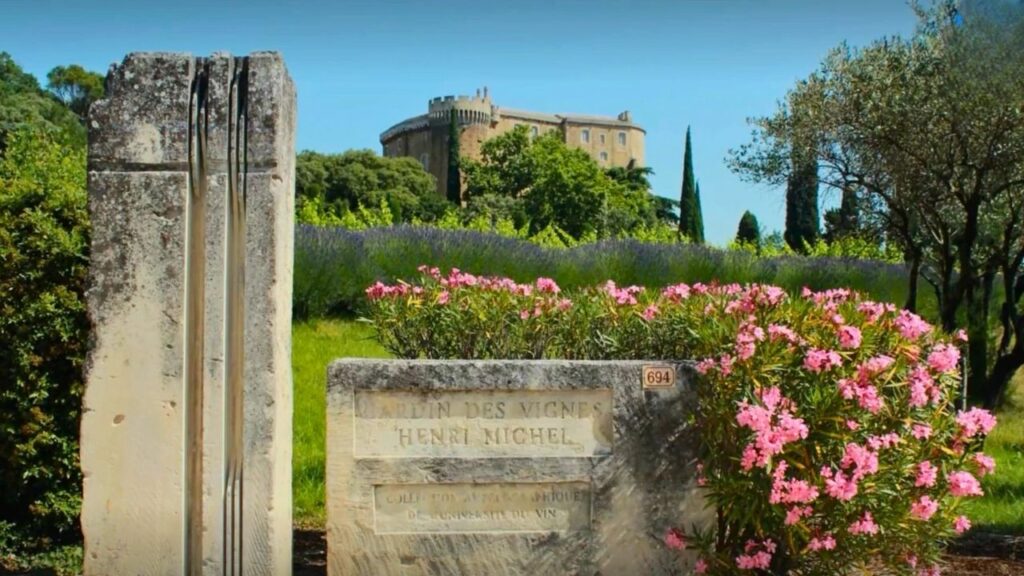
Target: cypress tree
<point>802,203</point>
<point>844,221</point>
<point>454,189</point>
<point>699,228</point>
<point>749,232</point>
<point>688,208</point>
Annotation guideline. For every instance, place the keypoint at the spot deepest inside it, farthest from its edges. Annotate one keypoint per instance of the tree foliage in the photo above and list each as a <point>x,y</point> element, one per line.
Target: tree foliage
<point>698,229</point>
<point>44,234</point>
<point>690,221</point>
<point>749,231</point>
<point>76,87</point>
<point>931,130</point>
<point>341,183</point>
<point>802,203</point>
<point>555,185</point>
<point>24,105</point>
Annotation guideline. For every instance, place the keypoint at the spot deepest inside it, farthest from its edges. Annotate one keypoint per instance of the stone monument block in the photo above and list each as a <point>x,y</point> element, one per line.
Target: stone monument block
<point>509,467</point>
<point>186,425</point>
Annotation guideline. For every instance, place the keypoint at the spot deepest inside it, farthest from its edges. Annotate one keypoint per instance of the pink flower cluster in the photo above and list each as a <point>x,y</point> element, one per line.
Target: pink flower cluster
<point>757,555</point>
<point>921,431</point>
<point>861,388</point>
<point>773,424</point>
<point>975,422</point>
<point>944,358</point>
<point>823,542</point>
<point>378,290</point>
<point>865,525</point>
<point>548,286</point>
<point>963,483</point>
<point>818,360</point>
<point>849,337</point>
<point>830,300</point>
<point>858,461</point>
<point>911,326</point>
<point>790,491</point>
<point>922,388</point>
<point>675,539</point>
<point>723,363</point>
<point>926,475</point>
<point>961,524</point>
<point>873,311</point>
<point>747,338</point>
<point>779,332</point>
<point>986,464</point>
<point>924,508</point>
<point>623,296</point>
<point>650,312</point>
<point>676,293</point>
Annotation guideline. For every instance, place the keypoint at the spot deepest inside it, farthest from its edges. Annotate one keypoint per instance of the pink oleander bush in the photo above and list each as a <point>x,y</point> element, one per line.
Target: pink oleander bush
<point>830,438</point>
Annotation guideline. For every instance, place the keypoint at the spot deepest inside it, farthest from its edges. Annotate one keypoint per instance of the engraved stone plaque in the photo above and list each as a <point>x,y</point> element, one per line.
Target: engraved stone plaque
<point>509,468</point>
<point>481,508</point>
<point>483,424</point>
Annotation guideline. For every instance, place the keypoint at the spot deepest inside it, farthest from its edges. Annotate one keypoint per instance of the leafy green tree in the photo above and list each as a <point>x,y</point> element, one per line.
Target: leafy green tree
<point>569,190</point>
<point>852,219</point>
<point>495,208</point>
<point>749,232</point>
<point>932,129</point>
<point>689,208</point>
<point>44,241</point>
<point>76,87</point>
<point>24,105</point>
<point>555,185</point>
<point>802,203</point>
<point>505,167</point>
<point>454,176</point>
<point>666,210</point>
<point>632,176</point>
<point>341,183</point>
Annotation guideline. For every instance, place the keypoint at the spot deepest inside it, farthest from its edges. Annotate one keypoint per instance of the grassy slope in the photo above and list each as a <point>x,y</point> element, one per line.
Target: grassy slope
<point>315,344</point>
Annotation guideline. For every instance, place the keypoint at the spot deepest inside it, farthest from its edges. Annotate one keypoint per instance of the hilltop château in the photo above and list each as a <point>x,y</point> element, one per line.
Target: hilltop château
<point>610,140</point>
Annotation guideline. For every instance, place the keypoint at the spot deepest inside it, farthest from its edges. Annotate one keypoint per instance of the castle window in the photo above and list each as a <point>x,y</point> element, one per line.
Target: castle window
<point>425,161</point>
<point>533,131</point>
<point>622,138</point>
<point>585,136</point>
<point>601,137</point>
<point>604,156</point>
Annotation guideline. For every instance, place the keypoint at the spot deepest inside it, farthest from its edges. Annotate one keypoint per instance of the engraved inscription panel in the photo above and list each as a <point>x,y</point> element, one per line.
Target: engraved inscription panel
<point>483,424</point>
<point>481,508</point>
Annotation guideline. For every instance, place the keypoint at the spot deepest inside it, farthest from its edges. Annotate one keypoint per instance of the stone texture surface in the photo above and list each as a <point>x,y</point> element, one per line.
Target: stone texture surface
<point>460,510</point>
<point>144,170</point>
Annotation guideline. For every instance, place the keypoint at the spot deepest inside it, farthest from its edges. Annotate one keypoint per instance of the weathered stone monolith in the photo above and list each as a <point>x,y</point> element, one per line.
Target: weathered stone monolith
<point>186,427</point>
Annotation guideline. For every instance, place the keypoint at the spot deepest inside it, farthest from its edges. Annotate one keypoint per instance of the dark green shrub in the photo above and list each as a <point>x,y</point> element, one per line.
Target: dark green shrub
<point>43,337</point>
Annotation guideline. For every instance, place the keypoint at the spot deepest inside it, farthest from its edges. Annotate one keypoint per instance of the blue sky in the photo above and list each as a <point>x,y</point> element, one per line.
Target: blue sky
<point>361,66</point>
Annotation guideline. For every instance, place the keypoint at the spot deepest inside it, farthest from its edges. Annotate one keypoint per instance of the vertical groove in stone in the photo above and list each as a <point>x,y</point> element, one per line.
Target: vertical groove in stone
<point>235,316</point>
<point>195,284</point>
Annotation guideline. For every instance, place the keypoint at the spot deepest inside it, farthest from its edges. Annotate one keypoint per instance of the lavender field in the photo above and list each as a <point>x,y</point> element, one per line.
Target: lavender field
<point>334,265</point>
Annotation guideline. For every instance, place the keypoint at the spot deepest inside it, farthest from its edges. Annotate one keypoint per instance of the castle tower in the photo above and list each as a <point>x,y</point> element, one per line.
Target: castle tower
<point>610,140</point>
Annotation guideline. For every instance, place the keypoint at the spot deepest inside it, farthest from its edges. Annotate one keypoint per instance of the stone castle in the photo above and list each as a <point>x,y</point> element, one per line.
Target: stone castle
<point>610,140</point>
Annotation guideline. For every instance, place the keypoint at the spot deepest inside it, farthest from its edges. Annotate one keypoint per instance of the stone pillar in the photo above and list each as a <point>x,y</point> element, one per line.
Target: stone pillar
<point>186,426</point>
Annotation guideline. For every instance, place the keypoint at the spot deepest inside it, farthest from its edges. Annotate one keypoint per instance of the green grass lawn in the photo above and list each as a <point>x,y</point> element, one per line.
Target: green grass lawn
<point>315,344</point>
